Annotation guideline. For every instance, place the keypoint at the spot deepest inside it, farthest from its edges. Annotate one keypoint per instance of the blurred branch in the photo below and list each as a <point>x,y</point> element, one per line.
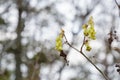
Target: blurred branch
<point>117,49</point>
<point>6,9</point>
<point>118,6</point>
<point>60,71</point>
<point>36,69</point>
<point>86,57</point>
<point>6,46</point>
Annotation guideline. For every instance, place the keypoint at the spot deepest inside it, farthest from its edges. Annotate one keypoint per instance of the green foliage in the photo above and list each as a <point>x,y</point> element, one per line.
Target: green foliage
<point>5,75</point>
<point>2,21</point>
<point>40,58</point>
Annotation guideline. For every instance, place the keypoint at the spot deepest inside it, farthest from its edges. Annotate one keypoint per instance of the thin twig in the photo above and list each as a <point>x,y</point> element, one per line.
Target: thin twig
<point>86,57</point>
<point>82,44</point>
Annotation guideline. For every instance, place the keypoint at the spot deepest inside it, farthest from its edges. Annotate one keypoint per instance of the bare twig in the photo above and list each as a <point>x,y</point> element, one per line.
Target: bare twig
<point>60,71</point>
<point>82,44</point>
<point>86,57</point>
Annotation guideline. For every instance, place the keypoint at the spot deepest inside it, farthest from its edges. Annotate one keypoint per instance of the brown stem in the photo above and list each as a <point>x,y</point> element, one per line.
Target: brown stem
<point>82,44</point>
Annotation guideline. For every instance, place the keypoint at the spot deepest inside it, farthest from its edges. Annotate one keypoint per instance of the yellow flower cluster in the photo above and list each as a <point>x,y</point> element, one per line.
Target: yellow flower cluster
<point>91,29</point>
<point>88,47</point>
<point>89,32</point>
<point>59,45</point>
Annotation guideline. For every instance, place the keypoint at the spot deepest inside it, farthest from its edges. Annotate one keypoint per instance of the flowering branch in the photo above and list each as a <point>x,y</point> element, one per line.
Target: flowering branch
<point>89,34</point>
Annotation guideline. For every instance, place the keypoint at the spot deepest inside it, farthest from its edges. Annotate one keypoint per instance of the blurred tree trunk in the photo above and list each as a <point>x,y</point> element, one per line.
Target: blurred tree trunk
<point>18,49</point>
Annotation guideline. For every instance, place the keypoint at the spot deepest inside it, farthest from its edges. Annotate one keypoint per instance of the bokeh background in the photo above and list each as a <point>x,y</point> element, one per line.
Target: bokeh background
<point>28,29</point>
